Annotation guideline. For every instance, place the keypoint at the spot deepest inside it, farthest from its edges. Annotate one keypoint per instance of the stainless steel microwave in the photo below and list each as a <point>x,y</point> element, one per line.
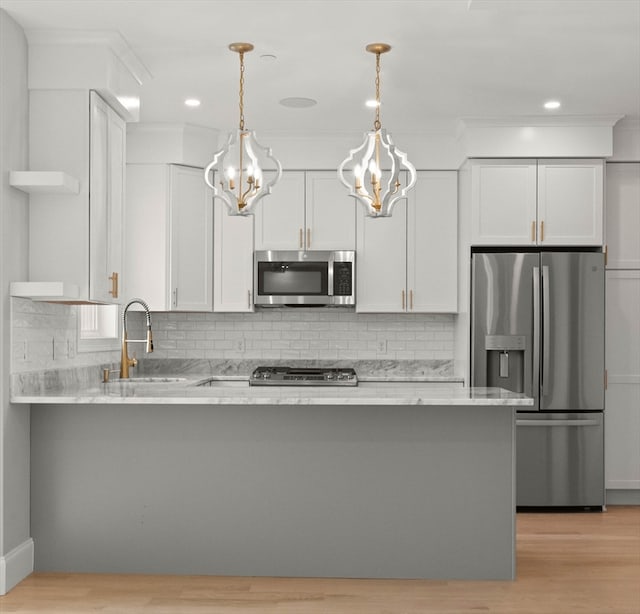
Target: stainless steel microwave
<point>304,278</point>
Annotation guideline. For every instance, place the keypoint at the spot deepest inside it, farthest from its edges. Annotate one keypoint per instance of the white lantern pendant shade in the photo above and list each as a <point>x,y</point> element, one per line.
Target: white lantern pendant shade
<point>238,168</point>
<point>373,171</point>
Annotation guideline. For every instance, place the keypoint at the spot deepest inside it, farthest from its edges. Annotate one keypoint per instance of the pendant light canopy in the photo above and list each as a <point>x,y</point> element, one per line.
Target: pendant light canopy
<point>372,172</point>
<point>238,166</point>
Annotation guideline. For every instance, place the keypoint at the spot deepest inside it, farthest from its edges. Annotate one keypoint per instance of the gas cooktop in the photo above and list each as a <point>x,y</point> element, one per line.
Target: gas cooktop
<point>303,376</point>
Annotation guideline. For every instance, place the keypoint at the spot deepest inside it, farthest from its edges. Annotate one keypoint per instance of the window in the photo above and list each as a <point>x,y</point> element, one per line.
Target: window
<point>98,328</point>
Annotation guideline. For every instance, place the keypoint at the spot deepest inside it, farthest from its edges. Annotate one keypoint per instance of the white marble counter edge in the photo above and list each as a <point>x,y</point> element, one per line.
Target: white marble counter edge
<point>374,394</point>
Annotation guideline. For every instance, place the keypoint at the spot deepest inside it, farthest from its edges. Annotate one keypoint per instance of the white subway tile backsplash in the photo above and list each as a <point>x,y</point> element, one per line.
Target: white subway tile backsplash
<point>44,335</point>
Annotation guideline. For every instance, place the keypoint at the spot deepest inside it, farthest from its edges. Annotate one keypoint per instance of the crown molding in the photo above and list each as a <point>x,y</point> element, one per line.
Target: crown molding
<point>111,39</point>
<point>556,121</point>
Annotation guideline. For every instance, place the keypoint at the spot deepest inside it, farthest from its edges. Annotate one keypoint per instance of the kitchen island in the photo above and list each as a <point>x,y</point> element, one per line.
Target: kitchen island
<point>411,480</point>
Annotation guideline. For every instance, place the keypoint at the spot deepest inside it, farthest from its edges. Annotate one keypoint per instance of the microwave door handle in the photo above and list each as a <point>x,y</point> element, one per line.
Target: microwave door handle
<point>330,278</point>
<point>536,332</point>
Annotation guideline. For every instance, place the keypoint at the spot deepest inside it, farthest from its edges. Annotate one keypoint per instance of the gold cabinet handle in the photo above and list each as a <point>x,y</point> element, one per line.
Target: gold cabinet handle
<point>114,285</point>
<point>403,300</point>
<point>533,232</point>
<point>411,300</point>
<point>308,238</point>
<point>541,231</point>
<point>300,239</point>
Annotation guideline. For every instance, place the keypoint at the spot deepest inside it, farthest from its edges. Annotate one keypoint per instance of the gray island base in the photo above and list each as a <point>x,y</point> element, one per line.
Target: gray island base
<point>336,490</point>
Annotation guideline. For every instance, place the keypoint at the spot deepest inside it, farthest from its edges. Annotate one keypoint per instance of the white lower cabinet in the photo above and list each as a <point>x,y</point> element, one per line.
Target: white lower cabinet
<point>232,261</point>
<point>408,262</point>
<point>622,401</point>
<point>169,238</point>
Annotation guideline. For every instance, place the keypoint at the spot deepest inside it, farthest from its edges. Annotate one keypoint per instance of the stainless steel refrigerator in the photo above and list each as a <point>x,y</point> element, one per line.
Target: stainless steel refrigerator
<point>537,327</point>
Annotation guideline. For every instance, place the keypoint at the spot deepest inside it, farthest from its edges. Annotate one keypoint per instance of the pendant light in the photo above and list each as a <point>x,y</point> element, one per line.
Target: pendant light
<point>376,165</point>
<point>238,166</point>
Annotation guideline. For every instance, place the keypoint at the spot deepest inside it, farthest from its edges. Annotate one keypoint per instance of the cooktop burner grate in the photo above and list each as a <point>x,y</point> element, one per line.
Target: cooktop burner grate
<point>303,376</point>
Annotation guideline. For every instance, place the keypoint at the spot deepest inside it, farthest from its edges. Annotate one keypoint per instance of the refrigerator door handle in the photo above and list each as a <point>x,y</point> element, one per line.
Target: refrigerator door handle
<point>536,332</point>
<point>546,311</point>
<point>557,423</point>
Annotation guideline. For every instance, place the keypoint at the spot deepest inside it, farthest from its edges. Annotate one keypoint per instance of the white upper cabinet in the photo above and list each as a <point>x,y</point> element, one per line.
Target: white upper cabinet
<point>306,210</point>
<point>76,236</point>
<point>570,202</point>
<point>233,261</point>
<point>504,202</point>
<point>623,215</point>
<point>169,239</point>
<point>537,202</point>
<point>191,240</point>
<point>330,213</point>
<point>279,217</point>
<point>408,262</point>
<point>106,201</point>
<point>381,262</point>
<point>432,246</point>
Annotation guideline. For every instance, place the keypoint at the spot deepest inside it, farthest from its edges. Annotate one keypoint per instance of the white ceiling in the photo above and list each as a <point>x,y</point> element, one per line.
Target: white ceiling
<point>451,59</point>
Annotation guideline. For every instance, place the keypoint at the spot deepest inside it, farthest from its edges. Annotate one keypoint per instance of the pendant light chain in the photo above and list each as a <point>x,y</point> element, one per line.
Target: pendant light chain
<point>376,124</point>
<point>241,90</point>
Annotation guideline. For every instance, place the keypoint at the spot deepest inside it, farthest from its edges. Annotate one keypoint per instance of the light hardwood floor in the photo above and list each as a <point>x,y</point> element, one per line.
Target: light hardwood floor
<point>587,563</point>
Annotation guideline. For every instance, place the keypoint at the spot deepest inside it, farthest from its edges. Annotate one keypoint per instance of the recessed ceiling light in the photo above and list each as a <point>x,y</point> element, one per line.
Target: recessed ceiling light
<point>552,104</point>
<point>192,102</point>
<point>268,57</point>
<point>372,103</point>
<point>296,102</point>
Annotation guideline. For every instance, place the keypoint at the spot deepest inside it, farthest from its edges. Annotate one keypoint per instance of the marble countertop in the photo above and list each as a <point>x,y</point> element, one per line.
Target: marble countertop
<point>224,391</point>
<point>227,383</point>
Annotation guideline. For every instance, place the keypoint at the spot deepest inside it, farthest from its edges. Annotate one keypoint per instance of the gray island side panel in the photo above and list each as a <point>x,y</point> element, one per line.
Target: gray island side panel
<point>321,491</point>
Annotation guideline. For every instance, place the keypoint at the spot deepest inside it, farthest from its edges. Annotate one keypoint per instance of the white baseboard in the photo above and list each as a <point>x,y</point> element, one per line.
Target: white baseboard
<point>15,566</point>
<point>624,496</point>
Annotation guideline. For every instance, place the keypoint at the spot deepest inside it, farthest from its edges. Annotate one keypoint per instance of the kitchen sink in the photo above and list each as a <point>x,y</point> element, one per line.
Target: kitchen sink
<point>223,383</point>
<point>148,380</point>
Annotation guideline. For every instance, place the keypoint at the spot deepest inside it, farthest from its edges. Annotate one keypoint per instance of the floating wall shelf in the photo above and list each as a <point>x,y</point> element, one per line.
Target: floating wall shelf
<point>45,290</point>
<point>44,182</point>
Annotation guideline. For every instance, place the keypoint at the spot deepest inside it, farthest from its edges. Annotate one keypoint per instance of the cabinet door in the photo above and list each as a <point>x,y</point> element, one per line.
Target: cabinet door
<point>330,213</point>
<point>570,202</point>
<point>622,397</point>
<point>279,217</point>
<point>432,243</point>
<point>59,127</point>
<point>106,198</point>
<point>381,262</point>
<point>115,226</point>
<point>623,215</point>
<point>191,244</point>
<point>232,261</point>
<point>147,234</point>
<point>503,202</point>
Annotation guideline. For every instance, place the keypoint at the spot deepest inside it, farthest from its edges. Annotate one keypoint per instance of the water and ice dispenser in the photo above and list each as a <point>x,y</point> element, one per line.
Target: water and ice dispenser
<point>505,361</point>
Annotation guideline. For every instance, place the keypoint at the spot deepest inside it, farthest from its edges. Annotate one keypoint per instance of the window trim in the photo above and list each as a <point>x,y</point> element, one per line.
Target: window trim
<point>99,344</point>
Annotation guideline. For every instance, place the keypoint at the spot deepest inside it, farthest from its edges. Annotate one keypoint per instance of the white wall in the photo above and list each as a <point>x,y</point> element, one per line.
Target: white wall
<point>16,547</point>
